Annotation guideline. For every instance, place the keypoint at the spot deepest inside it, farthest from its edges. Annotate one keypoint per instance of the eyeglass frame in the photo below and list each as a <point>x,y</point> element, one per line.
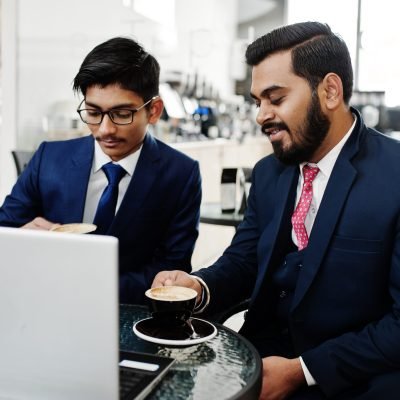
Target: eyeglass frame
<point>109,112</point>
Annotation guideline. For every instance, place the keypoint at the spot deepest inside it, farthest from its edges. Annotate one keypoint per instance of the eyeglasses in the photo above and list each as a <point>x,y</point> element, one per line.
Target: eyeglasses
<point>119,116</point>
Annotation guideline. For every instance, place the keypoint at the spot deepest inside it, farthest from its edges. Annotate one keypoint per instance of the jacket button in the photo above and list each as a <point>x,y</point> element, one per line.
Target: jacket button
<point>282,294</point>
<point>300,266</point>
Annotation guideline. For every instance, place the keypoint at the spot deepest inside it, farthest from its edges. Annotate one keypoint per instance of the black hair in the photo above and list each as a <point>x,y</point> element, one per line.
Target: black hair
<point>315,52</point>
<point>120,61</point>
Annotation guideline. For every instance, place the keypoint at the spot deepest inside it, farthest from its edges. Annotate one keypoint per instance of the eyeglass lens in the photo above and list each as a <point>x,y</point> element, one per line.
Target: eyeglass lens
<point>117,116</point>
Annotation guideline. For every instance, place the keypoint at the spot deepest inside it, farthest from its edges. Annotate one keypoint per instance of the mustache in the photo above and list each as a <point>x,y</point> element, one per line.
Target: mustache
<point>273,125</point>
<point>106,137</point>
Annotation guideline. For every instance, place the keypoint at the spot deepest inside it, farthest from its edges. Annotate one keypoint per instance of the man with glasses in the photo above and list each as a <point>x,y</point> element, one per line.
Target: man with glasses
<point>129,184</point>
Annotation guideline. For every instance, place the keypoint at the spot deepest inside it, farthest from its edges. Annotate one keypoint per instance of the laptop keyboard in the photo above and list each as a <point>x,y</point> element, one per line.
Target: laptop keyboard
<point>132,382</point>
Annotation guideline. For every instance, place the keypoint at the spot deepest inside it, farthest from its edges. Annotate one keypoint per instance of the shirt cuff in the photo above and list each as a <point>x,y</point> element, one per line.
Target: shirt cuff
<point>205,296</point>
<point>309,378</point>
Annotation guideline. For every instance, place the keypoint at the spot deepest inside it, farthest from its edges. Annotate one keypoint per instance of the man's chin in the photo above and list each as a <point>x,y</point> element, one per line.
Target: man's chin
<point>114,154</point>
<point>283,155</point>
<point>290,156</point>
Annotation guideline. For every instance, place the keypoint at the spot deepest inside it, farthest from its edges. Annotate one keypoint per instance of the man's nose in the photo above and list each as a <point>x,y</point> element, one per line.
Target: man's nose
<point>265,113</point>
<point>107,126</point>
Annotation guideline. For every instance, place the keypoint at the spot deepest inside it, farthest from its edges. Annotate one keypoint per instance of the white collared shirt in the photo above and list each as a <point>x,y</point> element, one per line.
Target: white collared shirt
<point>98,180</point>
<point>325,166</point>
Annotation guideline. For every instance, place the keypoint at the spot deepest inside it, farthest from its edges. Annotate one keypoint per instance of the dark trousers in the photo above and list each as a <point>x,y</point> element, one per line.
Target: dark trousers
<point>382,387</point>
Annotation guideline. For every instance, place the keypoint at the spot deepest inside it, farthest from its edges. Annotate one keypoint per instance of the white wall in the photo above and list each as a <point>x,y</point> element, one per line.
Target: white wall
<point>8,125</point>
<point>206,31</point>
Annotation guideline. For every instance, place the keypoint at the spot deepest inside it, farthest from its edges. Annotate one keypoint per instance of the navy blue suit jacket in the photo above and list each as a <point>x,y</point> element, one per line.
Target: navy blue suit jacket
<point>156,224</point>
<point>345,316</point>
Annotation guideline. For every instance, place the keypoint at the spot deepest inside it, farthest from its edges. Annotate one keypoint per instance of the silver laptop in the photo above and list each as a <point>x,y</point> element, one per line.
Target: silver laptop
<point>59,323</point>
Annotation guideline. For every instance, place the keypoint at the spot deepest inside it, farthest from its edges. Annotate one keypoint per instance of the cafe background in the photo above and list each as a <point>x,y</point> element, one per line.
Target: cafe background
<point>205,82</point>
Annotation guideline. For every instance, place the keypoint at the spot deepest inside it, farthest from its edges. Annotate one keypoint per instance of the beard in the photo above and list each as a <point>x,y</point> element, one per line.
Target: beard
<point>308,137</point>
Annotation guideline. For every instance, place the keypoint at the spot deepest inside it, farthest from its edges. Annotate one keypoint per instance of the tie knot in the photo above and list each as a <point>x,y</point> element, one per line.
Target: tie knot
<point>309,173</point>
<point>114,173</point>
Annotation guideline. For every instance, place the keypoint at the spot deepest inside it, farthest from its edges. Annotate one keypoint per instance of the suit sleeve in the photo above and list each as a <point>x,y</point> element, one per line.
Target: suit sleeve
<point>175,250</point>
<point>232,278</point>
<point>23,204</point>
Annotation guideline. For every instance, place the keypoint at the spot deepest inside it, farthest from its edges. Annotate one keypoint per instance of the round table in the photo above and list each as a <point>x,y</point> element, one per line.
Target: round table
<point>225,367</point>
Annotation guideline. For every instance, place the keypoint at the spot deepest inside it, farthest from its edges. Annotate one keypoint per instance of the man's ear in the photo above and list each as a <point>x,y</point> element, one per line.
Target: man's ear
<point>332,91</point>
<point>156,109</point>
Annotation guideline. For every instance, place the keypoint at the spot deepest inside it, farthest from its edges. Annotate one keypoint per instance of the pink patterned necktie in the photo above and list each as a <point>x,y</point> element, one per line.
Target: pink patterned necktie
<point>303,205</point>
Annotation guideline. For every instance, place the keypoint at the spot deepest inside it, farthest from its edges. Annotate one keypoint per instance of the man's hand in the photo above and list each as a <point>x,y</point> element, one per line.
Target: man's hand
<point>177,278</point>
<point>40,223</point>
<point>281,377</point>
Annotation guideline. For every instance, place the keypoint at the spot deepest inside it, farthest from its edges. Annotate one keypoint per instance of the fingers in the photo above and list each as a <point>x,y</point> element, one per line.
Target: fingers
<point>40,223</point>
<point>168,278</point>
<point>177,278</point>
<point>169,282</point>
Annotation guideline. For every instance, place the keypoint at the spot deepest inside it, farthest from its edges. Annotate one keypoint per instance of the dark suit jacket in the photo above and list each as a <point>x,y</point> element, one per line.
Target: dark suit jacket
<point>156,224</point>
<point>345,316</point>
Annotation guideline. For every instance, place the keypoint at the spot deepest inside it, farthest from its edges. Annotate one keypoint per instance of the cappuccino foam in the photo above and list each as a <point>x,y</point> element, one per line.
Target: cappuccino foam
<point>171,293</point>
<point>74,228</point>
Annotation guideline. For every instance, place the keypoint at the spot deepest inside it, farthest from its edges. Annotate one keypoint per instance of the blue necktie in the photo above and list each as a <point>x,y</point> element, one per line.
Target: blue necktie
<point>106,208</point>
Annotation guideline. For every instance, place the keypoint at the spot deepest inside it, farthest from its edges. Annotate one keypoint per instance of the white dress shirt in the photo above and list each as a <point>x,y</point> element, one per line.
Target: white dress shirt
<point>98,180</point>
<point>325,166</point>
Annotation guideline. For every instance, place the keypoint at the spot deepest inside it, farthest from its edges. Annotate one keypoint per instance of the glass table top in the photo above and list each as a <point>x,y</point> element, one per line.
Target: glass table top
<point>225,367</point>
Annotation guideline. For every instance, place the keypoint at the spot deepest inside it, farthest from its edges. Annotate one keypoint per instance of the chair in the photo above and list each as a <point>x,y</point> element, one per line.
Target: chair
<point>21,159</point>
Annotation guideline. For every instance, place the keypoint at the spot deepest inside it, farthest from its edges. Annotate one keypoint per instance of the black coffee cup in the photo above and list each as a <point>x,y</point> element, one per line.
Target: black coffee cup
<point>172,305</point>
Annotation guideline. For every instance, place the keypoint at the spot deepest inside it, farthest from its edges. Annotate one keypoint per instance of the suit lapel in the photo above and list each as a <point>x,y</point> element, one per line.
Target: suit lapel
<point>142,180</point>
<point>275,230</point>
<point>76,178</point>
<point>336,192</point>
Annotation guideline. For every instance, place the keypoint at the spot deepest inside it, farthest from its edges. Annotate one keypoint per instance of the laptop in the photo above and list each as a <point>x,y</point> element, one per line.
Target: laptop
<point>59,332</point>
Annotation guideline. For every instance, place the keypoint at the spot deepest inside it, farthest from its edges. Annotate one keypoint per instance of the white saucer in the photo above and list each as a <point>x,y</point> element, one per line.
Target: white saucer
<point>148,330</point>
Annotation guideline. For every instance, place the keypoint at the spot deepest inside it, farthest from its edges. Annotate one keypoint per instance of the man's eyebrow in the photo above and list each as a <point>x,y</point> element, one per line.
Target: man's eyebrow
<point>122,105</point>
<point>267,91</point>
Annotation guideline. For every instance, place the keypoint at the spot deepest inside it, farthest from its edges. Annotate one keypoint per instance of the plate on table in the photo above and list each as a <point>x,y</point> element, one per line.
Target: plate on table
<point>149,329</point>
<point>74,228</point>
